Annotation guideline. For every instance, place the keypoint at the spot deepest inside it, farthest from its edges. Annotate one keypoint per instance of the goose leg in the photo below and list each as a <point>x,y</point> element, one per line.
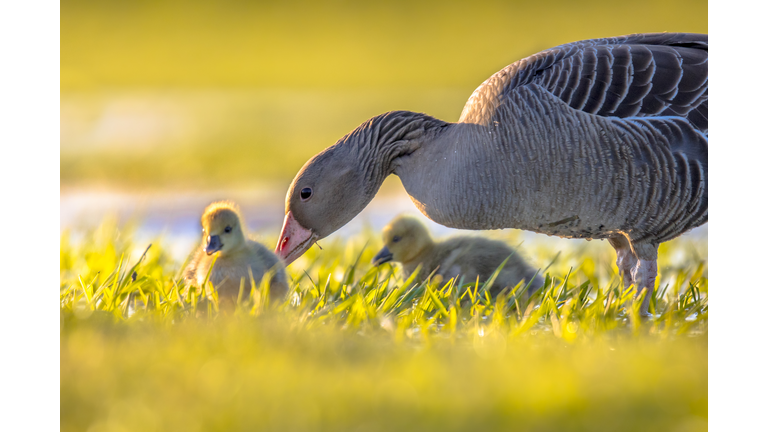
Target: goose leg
<point>644,273</point>
<point>625,259</point>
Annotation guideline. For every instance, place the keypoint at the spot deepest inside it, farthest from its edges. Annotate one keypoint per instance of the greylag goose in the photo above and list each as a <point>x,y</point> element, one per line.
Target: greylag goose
<point>224,232</point>
<point>407,241</point>
<point>597,139</point>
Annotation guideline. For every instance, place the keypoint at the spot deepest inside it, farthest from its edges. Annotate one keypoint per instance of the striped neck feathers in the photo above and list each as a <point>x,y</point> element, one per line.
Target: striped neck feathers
<point>386,137</point>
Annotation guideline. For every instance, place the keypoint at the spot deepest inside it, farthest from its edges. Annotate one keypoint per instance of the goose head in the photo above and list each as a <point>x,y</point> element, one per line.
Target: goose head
<point>405,239</point>
<point>328,192</point>
<point>337,183</point>
<point>222,228</point>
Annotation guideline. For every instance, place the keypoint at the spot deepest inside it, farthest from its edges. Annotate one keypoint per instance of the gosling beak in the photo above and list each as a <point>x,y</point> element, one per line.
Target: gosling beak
<point>382,257</point>
<point>294,240</point>
<point>214,245</point>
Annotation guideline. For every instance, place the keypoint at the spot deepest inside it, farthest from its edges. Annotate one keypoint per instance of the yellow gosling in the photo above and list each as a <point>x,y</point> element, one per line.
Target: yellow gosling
<point>224,233</point>
<point>407,241</point>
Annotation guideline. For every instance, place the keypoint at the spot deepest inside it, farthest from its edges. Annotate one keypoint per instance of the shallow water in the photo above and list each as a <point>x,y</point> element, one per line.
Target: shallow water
<point>175,216</point>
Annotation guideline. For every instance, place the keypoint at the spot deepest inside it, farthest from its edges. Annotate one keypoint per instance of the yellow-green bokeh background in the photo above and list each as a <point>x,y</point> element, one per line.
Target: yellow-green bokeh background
<point>196,94</point>
<point>186,97</point>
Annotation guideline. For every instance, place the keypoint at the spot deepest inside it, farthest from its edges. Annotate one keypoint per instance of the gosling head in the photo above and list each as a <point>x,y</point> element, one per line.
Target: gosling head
<point>222,228</point>
<point>405,238</point>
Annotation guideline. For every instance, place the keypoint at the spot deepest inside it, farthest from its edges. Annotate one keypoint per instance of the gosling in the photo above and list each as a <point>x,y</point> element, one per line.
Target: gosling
<point>407,241</point>
<point>225,233</point>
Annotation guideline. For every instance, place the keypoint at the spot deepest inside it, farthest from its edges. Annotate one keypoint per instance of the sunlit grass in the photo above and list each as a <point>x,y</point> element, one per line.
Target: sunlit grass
<point>356,347</point>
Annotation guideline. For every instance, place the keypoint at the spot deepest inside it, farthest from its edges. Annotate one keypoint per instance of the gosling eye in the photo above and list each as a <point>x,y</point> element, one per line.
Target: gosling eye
<point>228,229</point>
<point>395,239</point>
<point>306,194</point>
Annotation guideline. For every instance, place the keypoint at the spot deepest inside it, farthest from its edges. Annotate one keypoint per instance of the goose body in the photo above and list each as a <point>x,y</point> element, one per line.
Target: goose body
<point>603,138</point>
<point>407,241</point>
<point>239,256</point>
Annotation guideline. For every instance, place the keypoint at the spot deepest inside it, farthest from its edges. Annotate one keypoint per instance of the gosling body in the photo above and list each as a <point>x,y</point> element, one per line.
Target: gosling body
<point>407,241</point>
<point>239,257</point>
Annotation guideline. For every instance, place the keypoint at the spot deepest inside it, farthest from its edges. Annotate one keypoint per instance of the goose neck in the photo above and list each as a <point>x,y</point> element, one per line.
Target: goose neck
<point>383,139</point>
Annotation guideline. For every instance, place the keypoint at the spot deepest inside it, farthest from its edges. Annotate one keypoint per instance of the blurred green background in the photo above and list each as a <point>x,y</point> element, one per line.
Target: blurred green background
<point>167,105</point>
<point>193,95</point>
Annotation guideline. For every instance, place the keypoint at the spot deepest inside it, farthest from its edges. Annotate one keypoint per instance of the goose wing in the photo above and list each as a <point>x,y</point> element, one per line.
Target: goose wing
<point>642,75</point>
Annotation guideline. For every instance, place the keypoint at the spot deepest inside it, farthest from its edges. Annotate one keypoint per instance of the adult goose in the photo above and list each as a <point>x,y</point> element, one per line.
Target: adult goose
<point>602,138</point>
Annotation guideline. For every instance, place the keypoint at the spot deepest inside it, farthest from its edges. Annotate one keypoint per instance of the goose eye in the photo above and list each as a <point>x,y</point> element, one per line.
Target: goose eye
<point>306,193</point>
<point>395,239</point>
<point>228,229</point>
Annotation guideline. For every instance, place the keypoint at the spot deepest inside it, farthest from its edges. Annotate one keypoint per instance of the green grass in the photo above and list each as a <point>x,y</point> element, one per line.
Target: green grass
<point>358,348</point>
